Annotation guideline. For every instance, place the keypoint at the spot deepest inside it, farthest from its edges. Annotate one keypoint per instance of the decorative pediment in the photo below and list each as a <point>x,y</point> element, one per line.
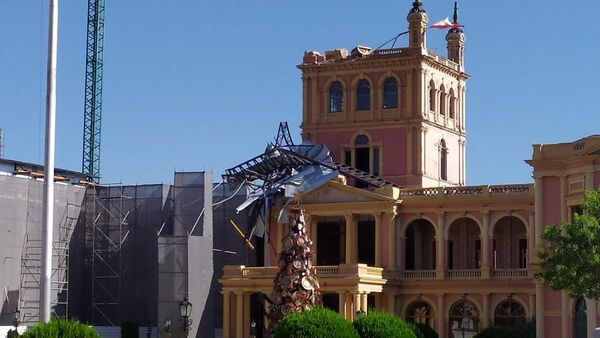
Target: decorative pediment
<point>334,192</point>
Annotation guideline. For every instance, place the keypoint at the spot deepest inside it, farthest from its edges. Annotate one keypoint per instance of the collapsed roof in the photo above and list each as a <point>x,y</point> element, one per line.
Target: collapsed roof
<point>292,169</point>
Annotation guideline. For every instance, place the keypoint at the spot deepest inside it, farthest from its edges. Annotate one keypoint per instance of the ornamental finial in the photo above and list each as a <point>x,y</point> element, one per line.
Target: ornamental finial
<point>417,7</point>
<point>456,29</point>
<point>455,12</point>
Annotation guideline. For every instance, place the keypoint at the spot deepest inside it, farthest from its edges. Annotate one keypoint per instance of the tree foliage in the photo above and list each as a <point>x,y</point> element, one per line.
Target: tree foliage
<point>318,322</point>
<point>58,328</point>
<point>378,324</point>
<point>571,259</point>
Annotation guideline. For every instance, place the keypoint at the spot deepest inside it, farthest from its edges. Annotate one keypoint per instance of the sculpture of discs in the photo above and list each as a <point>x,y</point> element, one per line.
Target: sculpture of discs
<point>295,287</point>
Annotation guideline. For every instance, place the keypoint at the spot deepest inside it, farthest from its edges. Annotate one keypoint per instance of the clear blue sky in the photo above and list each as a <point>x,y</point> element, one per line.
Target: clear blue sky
<point>202,85</point>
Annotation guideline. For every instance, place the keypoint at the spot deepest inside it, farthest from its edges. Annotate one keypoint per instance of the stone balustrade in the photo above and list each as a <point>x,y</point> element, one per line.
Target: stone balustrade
<point>509,273</point>
<point>464,273</point>
<point>419,274</point>
<point>479,190</point>
<point>330,271</point>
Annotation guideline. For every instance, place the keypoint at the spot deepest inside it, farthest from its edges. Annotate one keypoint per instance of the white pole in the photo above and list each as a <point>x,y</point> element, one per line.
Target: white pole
<point>48,201</point>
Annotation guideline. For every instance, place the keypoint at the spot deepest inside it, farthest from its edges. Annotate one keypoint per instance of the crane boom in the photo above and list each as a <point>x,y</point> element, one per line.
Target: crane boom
<point>92,121</point>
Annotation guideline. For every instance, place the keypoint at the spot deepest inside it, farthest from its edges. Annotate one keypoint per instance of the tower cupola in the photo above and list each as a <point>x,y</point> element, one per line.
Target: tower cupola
<point>456,40</point>
<point>417,24</point>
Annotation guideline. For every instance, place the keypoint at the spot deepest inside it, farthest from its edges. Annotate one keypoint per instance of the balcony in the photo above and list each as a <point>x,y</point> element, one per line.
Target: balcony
<point>478,190</point>
<point>260,279</point>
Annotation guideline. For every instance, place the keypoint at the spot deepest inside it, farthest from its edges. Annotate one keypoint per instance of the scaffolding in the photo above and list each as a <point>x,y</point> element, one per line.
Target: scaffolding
<point>109,230</point>
<point>31,259</point>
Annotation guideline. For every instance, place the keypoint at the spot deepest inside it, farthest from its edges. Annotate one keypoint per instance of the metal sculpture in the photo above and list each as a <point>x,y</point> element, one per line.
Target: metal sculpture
<point>295,287</point>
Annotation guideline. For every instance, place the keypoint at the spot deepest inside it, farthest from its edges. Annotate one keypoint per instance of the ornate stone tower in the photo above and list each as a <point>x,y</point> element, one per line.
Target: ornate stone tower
<point>397,113</point>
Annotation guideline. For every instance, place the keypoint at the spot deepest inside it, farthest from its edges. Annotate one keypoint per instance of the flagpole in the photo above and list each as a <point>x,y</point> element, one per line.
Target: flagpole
<point>48,200</point>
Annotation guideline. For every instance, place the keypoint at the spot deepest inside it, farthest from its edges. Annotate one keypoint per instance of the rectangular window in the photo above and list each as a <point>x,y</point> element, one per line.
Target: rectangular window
<point>348,157</point>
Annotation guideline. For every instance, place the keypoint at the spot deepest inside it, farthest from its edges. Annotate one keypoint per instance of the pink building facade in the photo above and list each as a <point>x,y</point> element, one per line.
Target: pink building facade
<point>432,250</point>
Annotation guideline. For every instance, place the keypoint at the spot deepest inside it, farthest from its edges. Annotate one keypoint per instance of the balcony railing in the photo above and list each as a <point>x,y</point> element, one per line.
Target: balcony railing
<point>490,190</point>
<point>419,274</point>
<point>509,273</point>
<point>464,273</point>
<point>329,271</point>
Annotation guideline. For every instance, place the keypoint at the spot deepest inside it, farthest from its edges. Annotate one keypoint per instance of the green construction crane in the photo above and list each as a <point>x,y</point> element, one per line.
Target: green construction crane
<point>92,122</point>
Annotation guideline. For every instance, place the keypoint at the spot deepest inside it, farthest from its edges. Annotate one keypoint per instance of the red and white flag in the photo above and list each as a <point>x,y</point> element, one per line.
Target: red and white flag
<point>444,24</point>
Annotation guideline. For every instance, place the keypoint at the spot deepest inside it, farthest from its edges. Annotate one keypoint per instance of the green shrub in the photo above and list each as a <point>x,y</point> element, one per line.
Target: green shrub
<point>130,329</point>
<point>377,324</point>
<point>318,322</point>
<point>61,329</point>
<point>504,332</point>
<point>424,331</point>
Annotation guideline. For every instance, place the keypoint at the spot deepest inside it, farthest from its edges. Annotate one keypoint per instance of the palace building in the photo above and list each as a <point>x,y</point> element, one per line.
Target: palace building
<point>410,237</point>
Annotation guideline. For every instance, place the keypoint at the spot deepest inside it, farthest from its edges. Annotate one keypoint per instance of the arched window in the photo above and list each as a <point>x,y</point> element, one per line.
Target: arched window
<point>363,155</point>
<point>580,319</point>
<point>363,95</point>
<point>432,96</point>
<point>452,104</point>
<point>390,93</point>
<point>443,161</point>
<point>336,97</point>
<point>442,101</point>
<point>509,313</point>
<point>420,312</point>
<point>361,140</point>
<point>464,318</point>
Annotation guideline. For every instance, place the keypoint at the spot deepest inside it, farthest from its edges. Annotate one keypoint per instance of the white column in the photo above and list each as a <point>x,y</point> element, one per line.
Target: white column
<point>565,313</point>
<point>532,257</point>
<point>377,217</point>
<point>357,305</point>
<point>485,245</point>
<point>539,310</point>
<point>531,306</point>
<point>409,150</point>
<point>539,200</point>
<point>591,316</point>
<point>226,315</point>
<point>349,239</point>
<point>247,319</point>
<point>441,315</point>
<point>313,237</point>
<point>424,150</point>
<point>464,162</point>
<point>390,218</point>
<point>349,309</point>
<point>485,322</point>
<point>363,302</point>
<point>440,247</point>
<point>391,303</point>
<point>239,314</point>
<point>342,303</point>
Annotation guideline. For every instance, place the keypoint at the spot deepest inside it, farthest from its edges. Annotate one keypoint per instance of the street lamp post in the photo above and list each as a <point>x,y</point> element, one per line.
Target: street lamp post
<point>185,311</point>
